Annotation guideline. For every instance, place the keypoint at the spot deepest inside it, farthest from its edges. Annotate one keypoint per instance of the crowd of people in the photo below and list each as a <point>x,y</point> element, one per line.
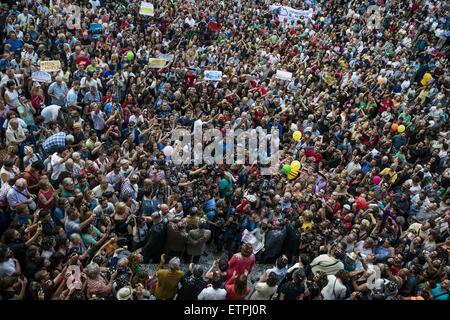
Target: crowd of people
<point>89,200</point>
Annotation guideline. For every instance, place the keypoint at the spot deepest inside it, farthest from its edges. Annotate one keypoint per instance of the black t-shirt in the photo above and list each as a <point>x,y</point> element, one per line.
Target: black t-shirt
<point>190,287</point>
<point>292,290</point>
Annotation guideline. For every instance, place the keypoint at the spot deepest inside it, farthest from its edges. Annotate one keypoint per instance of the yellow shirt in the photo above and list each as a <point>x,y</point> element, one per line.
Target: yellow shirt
<point>392,174</point>
<point>307,225</point>
<point>168,280</point>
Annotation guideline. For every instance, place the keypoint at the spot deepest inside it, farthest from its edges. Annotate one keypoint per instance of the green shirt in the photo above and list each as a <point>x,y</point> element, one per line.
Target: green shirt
<point>226,186</point>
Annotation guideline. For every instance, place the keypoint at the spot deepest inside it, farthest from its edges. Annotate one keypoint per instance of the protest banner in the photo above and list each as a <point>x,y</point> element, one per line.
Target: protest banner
<point>50,66</point>
<point>41,76</point>
<point>250,239</point>
<point>146,9</point>
<point>289,14</point>
<point>212,75</point>
<point>157,63</point>
<point>284,75</point>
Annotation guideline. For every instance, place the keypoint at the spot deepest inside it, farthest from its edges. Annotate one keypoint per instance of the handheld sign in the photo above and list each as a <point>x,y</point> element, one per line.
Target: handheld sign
<point>284,75</point>
<point>41,76</point>
<point>50,66</point>
<point>157,63</point>
<point>212,75</point>
<point>146,9</point>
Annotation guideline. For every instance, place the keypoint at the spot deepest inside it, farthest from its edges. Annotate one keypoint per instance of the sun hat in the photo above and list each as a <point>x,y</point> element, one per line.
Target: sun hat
<point>125,293</point>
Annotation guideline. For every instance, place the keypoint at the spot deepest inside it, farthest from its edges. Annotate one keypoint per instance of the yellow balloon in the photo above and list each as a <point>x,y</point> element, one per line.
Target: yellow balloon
<point>297,135</point>
<point>293,174</point>
<point>401,128</point>
<point>296,164</point>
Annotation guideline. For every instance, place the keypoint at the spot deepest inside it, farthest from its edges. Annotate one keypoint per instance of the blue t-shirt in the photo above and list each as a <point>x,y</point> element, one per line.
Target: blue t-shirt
<point>438,294</point>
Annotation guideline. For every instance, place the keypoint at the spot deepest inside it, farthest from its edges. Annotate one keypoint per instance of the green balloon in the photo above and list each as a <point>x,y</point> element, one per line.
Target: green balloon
<point>287,169</point>
<point>273,38</point>
<point>130,55</point>
<point>90,69</point>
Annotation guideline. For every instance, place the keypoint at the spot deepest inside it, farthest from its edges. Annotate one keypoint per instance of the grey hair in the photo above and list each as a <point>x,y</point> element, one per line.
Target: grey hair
<point>70,138</point>
<point>174,263</point>
<point>92,270</point>
<point>75,236</point>
<point>67,180</point>
<point>21,182</point>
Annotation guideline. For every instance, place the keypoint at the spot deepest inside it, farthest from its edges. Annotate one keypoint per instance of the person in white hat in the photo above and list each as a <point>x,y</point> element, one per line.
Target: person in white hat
<point>125,293</point>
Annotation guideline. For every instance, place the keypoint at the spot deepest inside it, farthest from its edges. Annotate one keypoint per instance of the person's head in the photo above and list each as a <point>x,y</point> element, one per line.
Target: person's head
<point>174,264</point>
<point>68,184</point>
<point>10,85</point>
<point>281,262</point>
<point>164,209</point>
<point>216,281</point>
<point>92,270</point>
<point>69,139</point>
<point>240,285</point>
<point>5,253</point>
<point>72,213</point>
<point>246,250</point>
<point>272,279</point>
<point>343,275</point>
<point>197,271</point>
<point>75,239</point>
<point>298,276</point>
<point>21,184</point>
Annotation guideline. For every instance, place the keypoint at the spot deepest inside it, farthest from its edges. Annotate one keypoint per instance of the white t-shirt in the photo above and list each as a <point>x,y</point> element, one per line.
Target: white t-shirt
<point>57,167</point>
<point>12,99</point>
<point>334,290</point>
<point>98,191</point>
<point>212,294</point>
<point>190,22</point>
<point>50,113</point>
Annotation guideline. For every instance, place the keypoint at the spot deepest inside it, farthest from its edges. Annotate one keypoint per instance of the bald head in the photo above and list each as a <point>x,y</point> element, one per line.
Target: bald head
<point>164,208</point>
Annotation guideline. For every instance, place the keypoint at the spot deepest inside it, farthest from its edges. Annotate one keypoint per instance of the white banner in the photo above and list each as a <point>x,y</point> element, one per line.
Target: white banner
<point>146,9</point>
<point>284,75</point>
<point>290,14</point>
<point>212,75</point>
<point>249,238</point>
<point>41,76</point>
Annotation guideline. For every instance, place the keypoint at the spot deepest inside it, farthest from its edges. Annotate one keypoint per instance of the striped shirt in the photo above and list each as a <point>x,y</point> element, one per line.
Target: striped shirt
<point>127,189</point>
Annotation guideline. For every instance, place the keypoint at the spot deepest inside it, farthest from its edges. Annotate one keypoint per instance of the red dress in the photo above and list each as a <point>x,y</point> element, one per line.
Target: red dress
<point>231,290</point>
<point>239,263</point>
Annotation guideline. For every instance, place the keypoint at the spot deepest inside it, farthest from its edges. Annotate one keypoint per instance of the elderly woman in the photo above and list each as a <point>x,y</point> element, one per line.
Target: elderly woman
<point>97,285</point>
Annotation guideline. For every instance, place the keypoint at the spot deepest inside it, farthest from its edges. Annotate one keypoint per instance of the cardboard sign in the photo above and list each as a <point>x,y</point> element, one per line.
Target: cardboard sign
<point>146,9</point>
<point>50,66</point>
<point>284,75</point>
<point>213,75</point>
<point>157,63</point>
<point>41,76</point>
